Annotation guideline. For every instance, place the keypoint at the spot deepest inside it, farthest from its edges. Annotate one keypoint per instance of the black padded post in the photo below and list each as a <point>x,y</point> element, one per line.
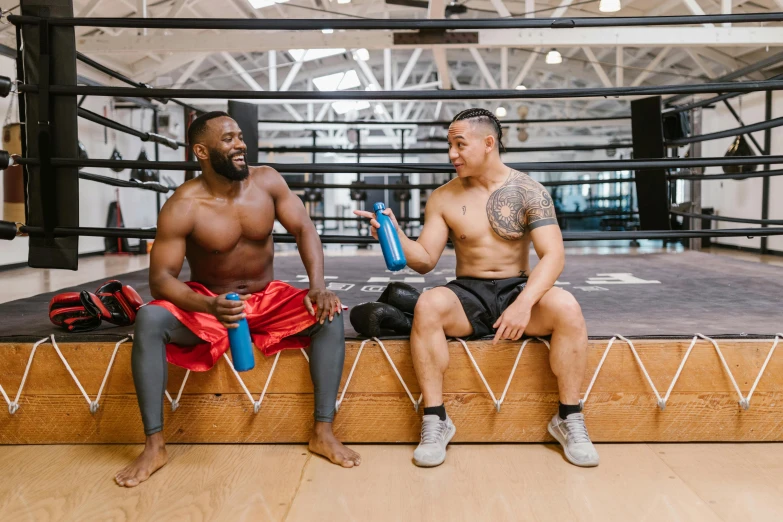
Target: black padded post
<point>47,55</point>
<point>651,188</point>
<point>246,116</point>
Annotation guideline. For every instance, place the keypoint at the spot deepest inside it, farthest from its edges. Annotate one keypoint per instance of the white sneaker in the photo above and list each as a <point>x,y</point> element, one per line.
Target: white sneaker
<point>571,433</point>
<point>435,436</point>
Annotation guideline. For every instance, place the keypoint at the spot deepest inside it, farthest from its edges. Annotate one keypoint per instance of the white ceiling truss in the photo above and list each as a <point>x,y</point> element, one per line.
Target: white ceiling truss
<point>501,59</point>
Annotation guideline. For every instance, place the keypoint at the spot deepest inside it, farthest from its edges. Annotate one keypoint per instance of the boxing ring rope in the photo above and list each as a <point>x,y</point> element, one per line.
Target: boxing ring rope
<point>394,367</point>
<point>744,400</point>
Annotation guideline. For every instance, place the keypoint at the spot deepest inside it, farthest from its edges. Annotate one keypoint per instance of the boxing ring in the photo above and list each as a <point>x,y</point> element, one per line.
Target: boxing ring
<point>682,348</point>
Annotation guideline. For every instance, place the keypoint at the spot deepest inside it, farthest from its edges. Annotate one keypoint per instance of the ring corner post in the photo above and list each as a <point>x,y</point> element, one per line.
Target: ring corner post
<point>48,57</point>
<point>651,185</point>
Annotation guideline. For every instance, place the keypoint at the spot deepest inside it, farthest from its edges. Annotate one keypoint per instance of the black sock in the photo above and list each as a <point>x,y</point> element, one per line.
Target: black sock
<point>440,411</point>
<point>568,409</point>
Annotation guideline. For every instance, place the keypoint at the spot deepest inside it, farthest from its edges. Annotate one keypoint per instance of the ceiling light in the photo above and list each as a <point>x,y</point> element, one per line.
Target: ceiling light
<point>344,107</point>
<point>609,6</point>
<point>343,1</point>
<point>521,87</point>
<point>337,81</point>
<point>361,54</point>
<point>259,4</point>
<point>327,31</point>
<point>553,57</point>
<point>501,112</point>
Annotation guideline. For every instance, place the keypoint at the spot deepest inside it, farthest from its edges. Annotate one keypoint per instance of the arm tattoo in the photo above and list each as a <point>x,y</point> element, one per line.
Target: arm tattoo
<point>521,204</point>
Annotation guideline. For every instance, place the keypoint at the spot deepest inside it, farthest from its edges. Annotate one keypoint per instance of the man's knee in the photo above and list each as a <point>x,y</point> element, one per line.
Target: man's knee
<point>565,308</point>
<point>432,307</point>
<point>152,322</point>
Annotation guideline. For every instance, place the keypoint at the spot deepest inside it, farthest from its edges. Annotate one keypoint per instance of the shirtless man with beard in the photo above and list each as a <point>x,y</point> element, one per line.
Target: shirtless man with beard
<point>221,222</point>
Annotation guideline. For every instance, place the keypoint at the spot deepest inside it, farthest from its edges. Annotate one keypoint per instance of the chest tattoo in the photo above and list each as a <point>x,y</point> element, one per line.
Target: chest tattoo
<point>520,204</point>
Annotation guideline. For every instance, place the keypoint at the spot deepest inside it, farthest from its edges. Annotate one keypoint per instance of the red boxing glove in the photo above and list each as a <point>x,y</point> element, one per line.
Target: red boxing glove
<point>67,311</point>
<point>113,302</point>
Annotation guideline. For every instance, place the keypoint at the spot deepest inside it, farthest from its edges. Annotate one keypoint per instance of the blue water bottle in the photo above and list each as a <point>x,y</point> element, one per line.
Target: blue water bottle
<point>390,241</point>
<point>239,341</point>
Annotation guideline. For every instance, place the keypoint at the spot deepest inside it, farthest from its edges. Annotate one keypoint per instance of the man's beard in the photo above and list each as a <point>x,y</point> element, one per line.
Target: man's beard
<point>224,165</point>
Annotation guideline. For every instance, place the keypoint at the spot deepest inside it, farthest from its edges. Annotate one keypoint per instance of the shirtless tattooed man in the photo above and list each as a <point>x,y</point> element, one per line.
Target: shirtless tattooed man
<point>492,214</point>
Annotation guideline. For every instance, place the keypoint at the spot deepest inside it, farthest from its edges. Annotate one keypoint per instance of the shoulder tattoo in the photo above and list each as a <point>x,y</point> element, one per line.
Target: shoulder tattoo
<point>521,204</point>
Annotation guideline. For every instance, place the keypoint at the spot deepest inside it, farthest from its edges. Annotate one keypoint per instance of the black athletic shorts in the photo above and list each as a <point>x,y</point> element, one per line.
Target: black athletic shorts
<point>484,300</point>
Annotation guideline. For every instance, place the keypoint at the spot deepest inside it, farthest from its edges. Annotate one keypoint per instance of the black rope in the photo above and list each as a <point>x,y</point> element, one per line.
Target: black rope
<point>155,187</point>
<point>149,233</point>
<point>442,123</point>
<point>294,24</point>
<point>433,150</point>
<point>143,136</point>
<point>777,122</point>
<point>467,94</point>
<point>392,168</point>
<point>736,177</point>
<point>712,217</point>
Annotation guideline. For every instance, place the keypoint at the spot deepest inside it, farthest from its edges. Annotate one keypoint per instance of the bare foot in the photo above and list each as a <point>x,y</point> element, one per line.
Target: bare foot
<point>323,442</point>
<point>151,460</point>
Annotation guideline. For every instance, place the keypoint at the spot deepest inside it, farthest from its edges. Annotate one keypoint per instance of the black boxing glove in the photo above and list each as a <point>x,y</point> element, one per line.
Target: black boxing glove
<point>67,311</point>
<point>401,296</point>
<point>373,319</point>
<point>113,302</point>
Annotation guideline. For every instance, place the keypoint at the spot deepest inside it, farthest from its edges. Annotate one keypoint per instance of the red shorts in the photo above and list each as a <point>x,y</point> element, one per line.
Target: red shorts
<point>273,315</point>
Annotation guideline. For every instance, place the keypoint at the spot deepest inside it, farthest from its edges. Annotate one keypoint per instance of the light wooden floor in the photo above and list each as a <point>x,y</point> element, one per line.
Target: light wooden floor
<point>635,482</point>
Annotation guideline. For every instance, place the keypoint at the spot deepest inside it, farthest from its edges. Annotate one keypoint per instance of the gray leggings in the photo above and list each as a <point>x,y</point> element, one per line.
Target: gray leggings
<point>156,327</point>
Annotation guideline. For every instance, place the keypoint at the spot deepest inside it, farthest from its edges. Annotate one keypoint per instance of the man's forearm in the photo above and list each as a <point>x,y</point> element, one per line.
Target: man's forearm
<point>312,253</point>
<point>169,288</point>
<point>542,279</point>
<point>416,256</point>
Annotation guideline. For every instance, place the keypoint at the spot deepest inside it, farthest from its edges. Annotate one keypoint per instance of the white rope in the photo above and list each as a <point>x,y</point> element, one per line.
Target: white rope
<point>661,402</point>
<point>339,401</point>
<point>511,375</point>
<point>742,400</point>
<point>13,406</point>
<point>175,402</point>
<point>94,404</point>
<point>746,403</point>
<point>256,404</point>
<point>394,367</point>
<point>597,371</point>
<point>68,367</point>
<point>495,401</point>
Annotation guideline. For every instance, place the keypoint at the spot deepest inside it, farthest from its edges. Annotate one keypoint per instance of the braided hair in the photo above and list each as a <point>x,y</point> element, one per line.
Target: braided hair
<point>483,116</point>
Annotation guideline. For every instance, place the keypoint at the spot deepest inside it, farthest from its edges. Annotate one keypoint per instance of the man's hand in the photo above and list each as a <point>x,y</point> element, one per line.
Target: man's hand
<point>229,313</point>
<point>325,301</point>
<point>512,322</point>
<point>374,225</point>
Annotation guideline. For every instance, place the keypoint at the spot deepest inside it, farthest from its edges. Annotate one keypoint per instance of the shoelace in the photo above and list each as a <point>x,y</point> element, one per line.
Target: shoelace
<point>432,431</point>
<point>577,431</point>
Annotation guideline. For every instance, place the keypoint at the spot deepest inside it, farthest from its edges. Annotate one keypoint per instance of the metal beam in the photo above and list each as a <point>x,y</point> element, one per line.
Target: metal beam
<point>504,67</point>
<point>406,72</point>
<point>187,73</point>
<point>560,11</point>
<point>650,69</point>
<point>520,77</point>
<point>696,9</point>
<point>597,67</point>
<point>241,41</point>
<point>700,63</point>
<point>272,70</point>
<point>501,8</point>
<point>620,68</point>
<point>491,83</point>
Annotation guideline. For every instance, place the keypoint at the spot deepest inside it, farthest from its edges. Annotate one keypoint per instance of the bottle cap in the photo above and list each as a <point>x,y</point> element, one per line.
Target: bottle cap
<point>233,296</point>
<point>378,206</point>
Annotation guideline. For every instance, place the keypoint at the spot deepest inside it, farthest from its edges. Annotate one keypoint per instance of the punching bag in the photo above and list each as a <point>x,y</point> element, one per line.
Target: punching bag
<point>13,177</point>
<point>739,147</point>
